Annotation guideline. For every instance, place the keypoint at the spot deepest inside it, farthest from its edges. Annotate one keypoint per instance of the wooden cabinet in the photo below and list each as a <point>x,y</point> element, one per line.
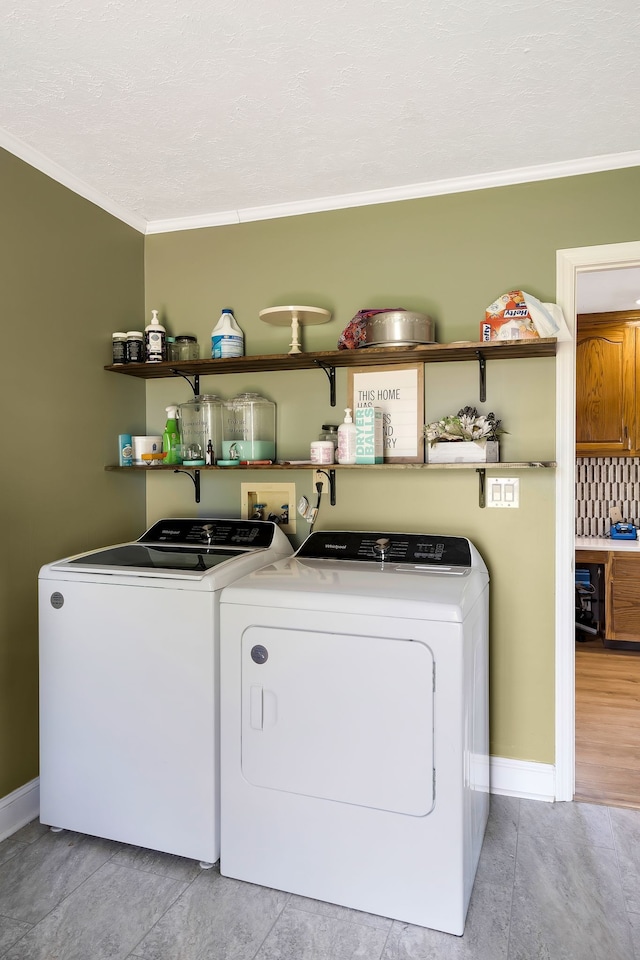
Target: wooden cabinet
<point>623,598</point>
<point>622,594</point>
<point>607,355</point>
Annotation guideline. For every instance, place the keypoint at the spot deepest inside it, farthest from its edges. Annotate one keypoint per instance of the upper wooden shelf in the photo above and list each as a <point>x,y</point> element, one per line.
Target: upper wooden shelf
<point>364,357</point>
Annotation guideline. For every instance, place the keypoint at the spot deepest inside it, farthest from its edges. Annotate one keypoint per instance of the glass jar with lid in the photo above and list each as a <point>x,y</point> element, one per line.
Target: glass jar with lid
<point>329,432</point>
<point>201,423</point>
<point>185,347</point>
<point>249,428</point>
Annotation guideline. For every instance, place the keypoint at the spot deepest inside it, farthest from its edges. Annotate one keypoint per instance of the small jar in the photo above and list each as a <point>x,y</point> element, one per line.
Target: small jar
<point>322,451</point>
<point>119,347</point>
<point>135,346</point>
<point>330,432</point>
<point>186,347</point>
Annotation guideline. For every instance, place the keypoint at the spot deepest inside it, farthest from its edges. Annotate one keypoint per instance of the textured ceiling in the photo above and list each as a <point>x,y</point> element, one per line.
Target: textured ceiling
<point>176,110</point>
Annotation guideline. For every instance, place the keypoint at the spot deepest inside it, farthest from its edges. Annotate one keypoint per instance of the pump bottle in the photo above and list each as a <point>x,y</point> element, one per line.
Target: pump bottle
<point>155,340</point>
<point>171,437</point>
<point>347,439</point>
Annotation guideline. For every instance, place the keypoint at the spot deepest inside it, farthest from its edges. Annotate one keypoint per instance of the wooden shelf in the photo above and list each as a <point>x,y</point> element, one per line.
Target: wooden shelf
<point>328,361</point>
<point>364,357</point>
<point>520,465</point>
<point>329,469</point>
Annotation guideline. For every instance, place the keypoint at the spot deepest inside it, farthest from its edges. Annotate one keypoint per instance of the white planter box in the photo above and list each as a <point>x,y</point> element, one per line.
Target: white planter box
<point>464,451</point>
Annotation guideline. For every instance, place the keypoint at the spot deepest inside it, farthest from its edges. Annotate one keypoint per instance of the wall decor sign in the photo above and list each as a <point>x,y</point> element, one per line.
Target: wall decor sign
<point>399,392</point>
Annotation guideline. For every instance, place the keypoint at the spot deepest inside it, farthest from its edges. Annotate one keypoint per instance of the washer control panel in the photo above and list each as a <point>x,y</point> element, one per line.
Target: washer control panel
<point>418,549</point>
<point>210,532</point>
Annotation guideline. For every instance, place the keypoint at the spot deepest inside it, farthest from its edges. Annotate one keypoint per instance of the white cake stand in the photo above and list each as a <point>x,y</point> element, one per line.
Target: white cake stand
<point>295,317</point>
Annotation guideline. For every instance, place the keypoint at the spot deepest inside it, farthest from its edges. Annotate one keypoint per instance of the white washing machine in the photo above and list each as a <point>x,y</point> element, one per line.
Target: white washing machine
<point>354,724</point>
<point>129,682</point>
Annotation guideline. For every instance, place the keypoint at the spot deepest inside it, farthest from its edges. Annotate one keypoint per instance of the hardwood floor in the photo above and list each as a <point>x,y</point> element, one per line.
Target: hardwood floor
<point>607,725</point>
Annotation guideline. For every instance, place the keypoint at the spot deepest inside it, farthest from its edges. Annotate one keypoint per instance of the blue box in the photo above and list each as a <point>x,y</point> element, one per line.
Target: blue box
<point>369,435</point>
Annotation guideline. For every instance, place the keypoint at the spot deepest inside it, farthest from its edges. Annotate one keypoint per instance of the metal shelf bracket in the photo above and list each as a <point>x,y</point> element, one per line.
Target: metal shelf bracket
<point>331,376</point>
<point>482,477</point>
<point>331,477</point>
<point>195,386</point>
<point>483,376</point>
<point>195,476</point>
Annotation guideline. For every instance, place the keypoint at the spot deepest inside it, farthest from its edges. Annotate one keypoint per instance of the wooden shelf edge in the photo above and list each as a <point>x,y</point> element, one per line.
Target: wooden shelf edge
<point>519,465</point>
<point>364,357</point>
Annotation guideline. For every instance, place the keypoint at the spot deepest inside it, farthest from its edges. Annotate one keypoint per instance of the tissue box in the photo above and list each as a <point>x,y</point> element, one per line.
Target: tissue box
<point>369,435</point>
<point>508,318</point>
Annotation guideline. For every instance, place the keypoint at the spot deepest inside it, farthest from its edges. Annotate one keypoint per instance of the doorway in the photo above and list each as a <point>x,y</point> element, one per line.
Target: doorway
<point>570,264</point>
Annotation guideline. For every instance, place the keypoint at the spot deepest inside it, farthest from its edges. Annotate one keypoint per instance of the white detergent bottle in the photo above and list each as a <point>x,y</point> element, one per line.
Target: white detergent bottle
<point>347,439</point>
<point>227,339</point>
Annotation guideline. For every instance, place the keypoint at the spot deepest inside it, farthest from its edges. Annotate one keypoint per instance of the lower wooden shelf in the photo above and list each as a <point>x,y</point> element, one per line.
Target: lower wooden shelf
<point>330,470</point>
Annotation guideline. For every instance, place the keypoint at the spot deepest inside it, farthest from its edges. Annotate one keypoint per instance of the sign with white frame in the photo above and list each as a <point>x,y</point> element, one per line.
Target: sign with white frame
<point>399,392</point>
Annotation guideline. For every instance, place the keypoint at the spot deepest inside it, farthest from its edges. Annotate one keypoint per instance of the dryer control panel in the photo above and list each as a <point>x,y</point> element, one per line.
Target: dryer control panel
<point>418,549</point>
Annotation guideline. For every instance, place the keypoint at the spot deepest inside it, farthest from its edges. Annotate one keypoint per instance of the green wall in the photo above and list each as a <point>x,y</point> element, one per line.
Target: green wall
<point>449,256</point>
<point>71,275</point>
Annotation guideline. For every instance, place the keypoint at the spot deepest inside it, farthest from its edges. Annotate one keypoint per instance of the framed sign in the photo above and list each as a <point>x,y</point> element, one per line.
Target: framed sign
<point>399,392</point>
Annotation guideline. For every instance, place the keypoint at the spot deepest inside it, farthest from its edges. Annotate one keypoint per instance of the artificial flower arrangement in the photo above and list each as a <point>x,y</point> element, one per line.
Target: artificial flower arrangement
<point>479,433</point>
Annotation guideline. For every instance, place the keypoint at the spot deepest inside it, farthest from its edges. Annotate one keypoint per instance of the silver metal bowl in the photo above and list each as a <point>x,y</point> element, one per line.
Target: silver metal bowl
<point>398,328</point>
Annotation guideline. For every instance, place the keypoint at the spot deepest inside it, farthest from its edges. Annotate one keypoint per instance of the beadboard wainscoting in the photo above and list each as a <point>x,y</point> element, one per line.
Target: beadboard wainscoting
<point>603,482</point>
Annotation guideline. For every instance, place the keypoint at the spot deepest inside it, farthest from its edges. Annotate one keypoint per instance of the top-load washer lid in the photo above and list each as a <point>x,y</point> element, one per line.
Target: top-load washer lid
<point>181,548</point>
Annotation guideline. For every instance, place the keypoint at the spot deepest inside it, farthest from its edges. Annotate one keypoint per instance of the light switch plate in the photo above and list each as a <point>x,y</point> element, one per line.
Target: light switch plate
<point>503,492</point>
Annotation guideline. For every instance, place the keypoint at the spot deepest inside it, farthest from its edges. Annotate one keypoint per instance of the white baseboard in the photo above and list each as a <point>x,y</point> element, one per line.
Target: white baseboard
<point>19,808</point>
<point>522,778</point>
<point>510,778</point>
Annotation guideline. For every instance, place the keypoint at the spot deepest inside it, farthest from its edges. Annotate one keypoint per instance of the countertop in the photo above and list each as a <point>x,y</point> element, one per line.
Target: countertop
<point>606,543</point>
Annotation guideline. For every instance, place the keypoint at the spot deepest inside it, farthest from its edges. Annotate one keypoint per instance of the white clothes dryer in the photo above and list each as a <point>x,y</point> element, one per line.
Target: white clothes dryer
<point>129,682</point>
<point>354,724</point>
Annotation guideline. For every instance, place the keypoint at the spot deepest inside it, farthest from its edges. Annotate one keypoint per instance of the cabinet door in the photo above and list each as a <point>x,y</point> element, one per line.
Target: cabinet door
<point>623,601</point>
<point>605,389</point>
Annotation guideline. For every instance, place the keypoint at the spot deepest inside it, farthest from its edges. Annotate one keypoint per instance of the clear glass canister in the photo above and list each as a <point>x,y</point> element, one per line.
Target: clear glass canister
<point>249,428</point>
<point>330,432</point>
<point>185,347</point>
<point>201,422</point>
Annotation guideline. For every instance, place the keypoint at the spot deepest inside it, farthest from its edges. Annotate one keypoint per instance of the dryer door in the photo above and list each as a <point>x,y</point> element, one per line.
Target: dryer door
<point>339,717</point>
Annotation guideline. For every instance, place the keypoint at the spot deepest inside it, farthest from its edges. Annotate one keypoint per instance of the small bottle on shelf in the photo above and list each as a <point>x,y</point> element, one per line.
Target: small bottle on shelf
<point>155,340</point>
<point>347,439</point>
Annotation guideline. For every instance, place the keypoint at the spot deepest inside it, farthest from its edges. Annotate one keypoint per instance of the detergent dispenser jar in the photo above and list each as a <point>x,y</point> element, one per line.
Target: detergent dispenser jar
<point>249,428</point>
<point>201,422</point>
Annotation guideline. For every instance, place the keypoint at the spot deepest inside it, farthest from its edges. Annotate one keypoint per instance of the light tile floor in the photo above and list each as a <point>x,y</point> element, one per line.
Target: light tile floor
<point>555,882</point>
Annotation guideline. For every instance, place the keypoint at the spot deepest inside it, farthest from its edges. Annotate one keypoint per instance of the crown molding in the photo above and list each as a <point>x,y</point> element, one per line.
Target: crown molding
<point>53,170</point>
<point>416,191</point>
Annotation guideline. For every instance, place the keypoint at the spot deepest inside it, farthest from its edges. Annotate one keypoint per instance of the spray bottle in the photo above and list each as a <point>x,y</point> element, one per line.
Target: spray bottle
<point>171,437</point>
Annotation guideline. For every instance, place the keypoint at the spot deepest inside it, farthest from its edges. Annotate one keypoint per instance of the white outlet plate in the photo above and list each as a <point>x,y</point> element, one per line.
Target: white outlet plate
<point>320,477</point>
<point>503,492</point>
<point>273,496</point>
